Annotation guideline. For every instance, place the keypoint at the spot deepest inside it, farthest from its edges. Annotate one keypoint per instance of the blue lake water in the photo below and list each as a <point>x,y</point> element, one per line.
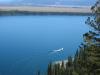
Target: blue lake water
<point>25,41</point>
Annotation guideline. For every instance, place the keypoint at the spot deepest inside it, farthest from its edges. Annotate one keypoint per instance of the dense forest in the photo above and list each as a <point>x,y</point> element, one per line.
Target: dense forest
<point>87,58</point>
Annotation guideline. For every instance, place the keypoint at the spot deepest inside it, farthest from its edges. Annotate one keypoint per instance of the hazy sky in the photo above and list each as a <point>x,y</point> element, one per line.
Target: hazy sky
<point>43,0</point>
<point>6,0</point>
<point>33,0</point>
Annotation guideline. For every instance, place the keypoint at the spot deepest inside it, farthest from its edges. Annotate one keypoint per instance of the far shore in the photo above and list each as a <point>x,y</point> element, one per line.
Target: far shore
<point>46,10</point>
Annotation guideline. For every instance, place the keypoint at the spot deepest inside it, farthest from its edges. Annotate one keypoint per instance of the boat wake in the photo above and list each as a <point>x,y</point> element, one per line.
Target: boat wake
<point>57,50</point>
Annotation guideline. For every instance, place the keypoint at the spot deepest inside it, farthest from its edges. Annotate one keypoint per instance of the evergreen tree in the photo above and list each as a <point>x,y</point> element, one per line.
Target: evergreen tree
<point>49,71</point>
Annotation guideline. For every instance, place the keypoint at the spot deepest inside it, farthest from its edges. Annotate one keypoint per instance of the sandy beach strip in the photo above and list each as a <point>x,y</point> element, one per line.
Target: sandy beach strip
<point>60,62</point>
<point>81,10</point>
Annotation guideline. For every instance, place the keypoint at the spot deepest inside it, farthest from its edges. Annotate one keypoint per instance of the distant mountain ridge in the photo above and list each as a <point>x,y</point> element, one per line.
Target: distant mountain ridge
<point>52,2</point>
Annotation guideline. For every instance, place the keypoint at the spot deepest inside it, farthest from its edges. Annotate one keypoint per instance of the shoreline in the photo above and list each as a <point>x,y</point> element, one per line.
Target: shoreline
<point>60,62</point>
<point>46,10</point>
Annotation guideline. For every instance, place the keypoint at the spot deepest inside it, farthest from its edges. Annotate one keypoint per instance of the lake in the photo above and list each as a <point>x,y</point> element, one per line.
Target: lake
<point>26,42</point>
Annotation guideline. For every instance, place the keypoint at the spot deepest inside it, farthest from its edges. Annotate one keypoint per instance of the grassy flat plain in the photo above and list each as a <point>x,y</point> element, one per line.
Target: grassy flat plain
<point>78,10</point>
